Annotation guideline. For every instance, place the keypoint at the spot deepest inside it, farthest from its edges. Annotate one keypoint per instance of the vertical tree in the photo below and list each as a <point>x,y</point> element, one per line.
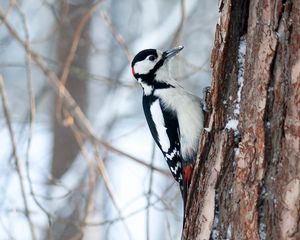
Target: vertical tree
<point>65,147</point>
<point>246,184</point>
<point>73,47</point>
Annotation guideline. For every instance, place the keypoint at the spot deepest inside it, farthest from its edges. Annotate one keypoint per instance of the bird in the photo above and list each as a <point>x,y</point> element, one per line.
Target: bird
<point>175,116</point>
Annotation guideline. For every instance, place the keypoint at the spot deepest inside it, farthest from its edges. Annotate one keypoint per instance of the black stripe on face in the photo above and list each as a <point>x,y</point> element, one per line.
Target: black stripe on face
<point>141,56</point>
<point>149,78</point>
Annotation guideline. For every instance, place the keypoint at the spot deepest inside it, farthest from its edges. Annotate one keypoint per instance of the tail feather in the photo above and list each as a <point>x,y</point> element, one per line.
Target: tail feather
<point>185,184</point>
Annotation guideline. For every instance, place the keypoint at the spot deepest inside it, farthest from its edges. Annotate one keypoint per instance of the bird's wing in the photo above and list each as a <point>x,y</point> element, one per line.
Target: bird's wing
<point>165,131</point>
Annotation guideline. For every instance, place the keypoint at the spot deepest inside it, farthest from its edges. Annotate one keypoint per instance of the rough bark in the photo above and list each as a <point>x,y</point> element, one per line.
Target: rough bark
<point>246,183</point>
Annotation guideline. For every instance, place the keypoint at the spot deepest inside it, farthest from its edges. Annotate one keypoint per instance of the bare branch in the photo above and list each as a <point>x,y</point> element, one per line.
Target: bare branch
<point>31,115</point>
<point>16,157</point>
<point>119,38</point>
<point>177,36</point>
<point>68,101</point>
<point>102,170</point>
<point>75,41</point>
<point>11,5</point>
<point>149,193</point>
<point>92,175</point>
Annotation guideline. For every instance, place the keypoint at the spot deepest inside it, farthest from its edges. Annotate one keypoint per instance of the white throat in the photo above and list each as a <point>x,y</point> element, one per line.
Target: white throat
<point>163,73</point>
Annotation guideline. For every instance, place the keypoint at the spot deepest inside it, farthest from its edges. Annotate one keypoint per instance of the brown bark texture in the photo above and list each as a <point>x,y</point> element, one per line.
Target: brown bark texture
<point>246,182</point>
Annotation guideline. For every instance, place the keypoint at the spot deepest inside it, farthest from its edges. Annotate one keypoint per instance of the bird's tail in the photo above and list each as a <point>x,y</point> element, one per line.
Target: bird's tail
<point>187,177</point>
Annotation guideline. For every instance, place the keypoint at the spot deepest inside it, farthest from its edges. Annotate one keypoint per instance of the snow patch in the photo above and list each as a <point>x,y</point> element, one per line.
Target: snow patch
<point>262,231</point>
<point>229,232</point>
<point>241,61</point>
<point>207,129</point>
<point>232,124</point>
<point>236,152</point>
<point>261,212</point>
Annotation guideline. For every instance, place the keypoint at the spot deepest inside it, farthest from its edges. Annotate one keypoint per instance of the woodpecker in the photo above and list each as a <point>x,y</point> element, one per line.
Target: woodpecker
<point>175,116</point>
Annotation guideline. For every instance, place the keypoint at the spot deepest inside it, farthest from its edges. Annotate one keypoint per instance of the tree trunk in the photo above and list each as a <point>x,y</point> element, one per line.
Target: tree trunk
<point>65,147</point>
<point>246,183</point>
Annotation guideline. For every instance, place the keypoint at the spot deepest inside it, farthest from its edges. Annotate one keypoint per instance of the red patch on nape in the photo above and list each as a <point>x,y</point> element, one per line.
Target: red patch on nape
<point>187,173</point>
<point>132,70</point>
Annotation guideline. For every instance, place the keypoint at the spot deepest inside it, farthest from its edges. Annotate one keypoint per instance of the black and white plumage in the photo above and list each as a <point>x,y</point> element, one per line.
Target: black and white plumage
<point>175,116</point>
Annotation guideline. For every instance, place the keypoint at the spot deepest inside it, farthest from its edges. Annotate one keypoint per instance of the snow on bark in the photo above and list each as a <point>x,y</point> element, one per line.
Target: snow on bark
<point>250,162</point>
<point>241,61</point>
<point>233,122</point>
<point>258,186</point>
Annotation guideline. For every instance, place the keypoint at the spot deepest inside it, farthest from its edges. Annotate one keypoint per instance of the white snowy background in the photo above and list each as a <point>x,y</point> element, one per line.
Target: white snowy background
<point>114,110</point>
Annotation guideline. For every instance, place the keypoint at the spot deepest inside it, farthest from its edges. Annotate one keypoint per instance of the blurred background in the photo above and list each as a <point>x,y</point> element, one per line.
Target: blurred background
<point>89,169</point>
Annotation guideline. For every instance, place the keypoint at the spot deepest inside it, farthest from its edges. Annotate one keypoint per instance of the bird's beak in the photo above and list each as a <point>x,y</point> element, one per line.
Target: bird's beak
<point>171,52</point>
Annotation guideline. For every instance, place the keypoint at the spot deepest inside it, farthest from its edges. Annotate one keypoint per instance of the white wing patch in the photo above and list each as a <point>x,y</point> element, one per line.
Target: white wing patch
<point>159,122</point>
<point>189,114</point>
<point>172,154</point>
<point>175,169</point>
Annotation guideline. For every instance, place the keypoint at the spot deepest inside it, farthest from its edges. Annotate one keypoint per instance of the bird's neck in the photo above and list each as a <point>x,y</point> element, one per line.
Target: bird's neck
<point>161,79</point>
<point>163,74</point>
<point>150,86</point>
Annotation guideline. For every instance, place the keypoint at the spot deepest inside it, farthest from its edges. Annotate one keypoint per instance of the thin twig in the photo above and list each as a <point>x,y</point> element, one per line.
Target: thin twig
<point>69,101</point>
<point>149,193</point>
<point>152,204</point>
<point>16,157</point>
<point>119,38</point>
<point>75,42</point>
<point>92,175</point>
<point>178,33</point>
<point>83,74</point>
<point>137,160</point>
<point>73,49</point>
<point>11,5</point>
<point>102,170</point>
<point>31,115</point>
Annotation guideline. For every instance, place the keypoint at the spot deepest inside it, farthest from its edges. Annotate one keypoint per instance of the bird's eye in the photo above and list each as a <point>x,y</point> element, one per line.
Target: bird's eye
<point>151,58</point>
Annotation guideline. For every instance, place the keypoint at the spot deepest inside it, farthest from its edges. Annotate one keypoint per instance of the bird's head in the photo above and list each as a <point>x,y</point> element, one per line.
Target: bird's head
<point>150,64</point>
